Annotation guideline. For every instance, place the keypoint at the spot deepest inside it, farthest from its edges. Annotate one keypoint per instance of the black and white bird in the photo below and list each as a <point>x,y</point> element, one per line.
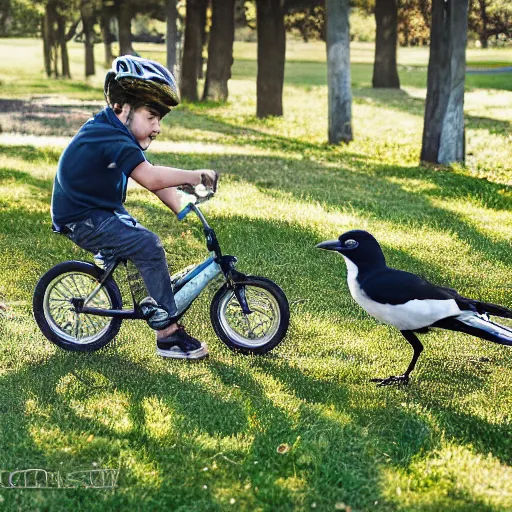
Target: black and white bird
<point>409,302</point>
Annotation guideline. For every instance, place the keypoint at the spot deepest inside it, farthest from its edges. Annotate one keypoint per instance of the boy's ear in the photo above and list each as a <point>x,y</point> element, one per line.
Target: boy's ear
<point>117,108</point>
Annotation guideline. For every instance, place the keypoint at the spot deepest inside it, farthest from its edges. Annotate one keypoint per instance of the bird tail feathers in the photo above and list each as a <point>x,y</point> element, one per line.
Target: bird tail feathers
<point>479,326</point>
<point>493,309</point>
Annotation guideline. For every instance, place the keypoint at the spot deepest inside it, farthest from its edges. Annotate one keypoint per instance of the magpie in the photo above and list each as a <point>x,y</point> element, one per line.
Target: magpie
<point>409,302</point>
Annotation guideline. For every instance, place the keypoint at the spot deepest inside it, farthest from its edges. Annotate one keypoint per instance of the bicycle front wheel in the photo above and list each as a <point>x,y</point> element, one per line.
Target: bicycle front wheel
<point>56,316</point>
<point>261,330</point>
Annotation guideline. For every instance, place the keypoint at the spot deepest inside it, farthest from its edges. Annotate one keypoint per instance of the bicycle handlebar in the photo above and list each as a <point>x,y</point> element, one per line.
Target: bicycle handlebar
<point>192,207</point>
<point>181,215</point>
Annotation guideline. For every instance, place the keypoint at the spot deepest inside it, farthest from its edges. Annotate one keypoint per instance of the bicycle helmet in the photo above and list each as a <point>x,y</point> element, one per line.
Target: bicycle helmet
<point>141,82</point>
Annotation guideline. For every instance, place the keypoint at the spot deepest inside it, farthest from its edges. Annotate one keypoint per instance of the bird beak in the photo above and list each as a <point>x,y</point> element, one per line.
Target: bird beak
<point>330,245</point>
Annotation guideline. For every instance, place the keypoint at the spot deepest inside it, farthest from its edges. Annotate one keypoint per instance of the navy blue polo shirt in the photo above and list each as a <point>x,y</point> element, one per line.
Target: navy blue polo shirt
<point>94,168</point>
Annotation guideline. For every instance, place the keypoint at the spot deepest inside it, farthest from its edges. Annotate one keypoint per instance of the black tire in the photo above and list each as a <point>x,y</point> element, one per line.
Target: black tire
<point>271,311</point>
<point>55,321</point>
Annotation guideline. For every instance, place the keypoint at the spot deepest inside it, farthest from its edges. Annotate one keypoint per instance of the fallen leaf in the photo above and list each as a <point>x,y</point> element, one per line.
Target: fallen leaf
<point>283,448</point>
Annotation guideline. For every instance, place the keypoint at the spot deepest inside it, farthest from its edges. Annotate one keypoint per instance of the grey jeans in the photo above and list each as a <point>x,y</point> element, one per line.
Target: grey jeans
<point>118,235</point>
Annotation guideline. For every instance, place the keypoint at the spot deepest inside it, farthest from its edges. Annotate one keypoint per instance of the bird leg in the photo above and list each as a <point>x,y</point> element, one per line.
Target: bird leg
<point>404,379</point>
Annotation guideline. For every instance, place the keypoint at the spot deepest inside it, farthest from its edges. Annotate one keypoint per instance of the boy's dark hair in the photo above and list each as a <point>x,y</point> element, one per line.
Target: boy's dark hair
<point>137,93</point>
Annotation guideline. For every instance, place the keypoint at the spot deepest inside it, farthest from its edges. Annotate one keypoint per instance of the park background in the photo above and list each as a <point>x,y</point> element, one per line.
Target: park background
<point>301,428</point>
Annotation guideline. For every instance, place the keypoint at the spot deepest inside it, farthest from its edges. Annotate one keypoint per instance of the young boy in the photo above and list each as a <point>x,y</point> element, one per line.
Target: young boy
<point>90,188</point>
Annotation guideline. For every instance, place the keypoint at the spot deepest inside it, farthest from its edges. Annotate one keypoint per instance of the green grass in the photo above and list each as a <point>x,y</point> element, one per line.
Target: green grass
<point>205,436</point>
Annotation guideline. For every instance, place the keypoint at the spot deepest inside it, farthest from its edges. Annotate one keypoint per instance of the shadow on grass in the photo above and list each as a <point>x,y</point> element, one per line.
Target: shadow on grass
<point>234,411</point>
<point>376,194</point>
<point>337,452</point>
<point>372,194</point>
<point>40,118</point>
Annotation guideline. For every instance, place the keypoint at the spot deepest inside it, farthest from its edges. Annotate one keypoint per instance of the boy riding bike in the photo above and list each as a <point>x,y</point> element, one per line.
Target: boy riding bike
<point>91,181</point>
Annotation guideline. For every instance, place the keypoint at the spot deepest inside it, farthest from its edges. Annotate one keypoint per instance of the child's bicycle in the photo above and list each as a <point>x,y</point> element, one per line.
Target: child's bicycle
<point>78,305</point>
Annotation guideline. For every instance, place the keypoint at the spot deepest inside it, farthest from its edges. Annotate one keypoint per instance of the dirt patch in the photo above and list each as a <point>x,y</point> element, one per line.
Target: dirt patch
<point>48,115</point>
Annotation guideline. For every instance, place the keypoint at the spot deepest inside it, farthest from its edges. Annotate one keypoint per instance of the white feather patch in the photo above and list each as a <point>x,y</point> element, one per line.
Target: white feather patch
<point>414,314</point>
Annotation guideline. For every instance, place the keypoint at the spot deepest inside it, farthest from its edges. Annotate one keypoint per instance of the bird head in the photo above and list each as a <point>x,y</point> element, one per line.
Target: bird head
<point>358,246</point>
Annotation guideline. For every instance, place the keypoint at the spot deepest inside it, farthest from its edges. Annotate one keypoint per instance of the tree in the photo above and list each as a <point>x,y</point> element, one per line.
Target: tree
<point>192,48</point>
<point>171,11</point>
<point>385,72</point>
<point>125,12</point>
<point>220,50</point>
<point>443,131</point>
<point>56,34</point>
<point>271,57</point>
<point>106,16</point>
<point>87,11</point>
<point>20,18</point>
<point>490,18</point>
<point>307,17</point>
<point>338,71</point>
<point>412,23</point>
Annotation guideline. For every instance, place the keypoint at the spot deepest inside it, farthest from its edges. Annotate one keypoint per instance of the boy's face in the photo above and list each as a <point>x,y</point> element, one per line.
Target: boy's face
<point>143,123</point>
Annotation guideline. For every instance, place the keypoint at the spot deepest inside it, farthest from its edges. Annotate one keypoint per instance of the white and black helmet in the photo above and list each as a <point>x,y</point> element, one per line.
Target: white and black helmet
<point>145,80</point>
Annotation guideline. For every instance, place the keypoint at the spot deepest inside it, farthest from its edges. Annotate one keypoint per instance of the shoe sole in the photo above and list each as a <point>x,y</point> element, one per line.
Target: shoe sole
<point>200,353</point>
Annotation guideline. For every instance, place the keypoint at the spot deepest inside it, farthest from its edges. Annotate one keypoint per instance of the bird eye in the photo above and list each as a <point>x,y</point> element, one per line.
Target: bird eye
<point>350,244</point>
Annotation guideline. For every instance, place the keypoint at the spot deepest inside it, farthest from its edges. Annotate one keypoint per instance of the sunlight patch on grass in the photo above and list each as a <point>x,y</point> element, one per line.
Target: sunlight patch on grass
<point>446,478</point>
<point>496,104</point>
<point>493,224</point>
<point>293,484</point>
<point>160,420</point>
<point>109,409</point>
<point>280,397</point>
<point>413,185</point>
<point>279,207</point>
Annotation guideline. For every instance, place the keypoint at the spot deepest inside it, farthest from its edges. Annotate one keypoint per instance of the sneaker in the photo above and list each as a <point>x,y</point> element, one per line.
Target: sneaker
<point>180,345</point>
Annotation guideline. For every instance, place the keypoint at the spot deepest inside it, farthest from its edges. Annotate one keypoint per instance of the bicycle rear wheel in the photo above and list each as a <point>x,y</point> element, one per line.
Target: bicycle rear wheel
<point>56,316</point>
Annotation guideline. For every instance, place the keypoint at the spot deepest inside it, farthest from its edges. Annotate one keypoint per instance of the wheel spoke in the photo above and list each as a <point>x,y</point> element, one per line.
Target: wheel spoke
<point>60,311</point>
<point>258,327</point>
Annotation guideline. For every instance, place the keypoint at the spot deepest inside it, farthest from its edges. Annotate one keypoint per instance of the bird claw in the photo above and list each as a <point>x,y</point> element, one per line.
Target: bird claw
<point>398,380</point>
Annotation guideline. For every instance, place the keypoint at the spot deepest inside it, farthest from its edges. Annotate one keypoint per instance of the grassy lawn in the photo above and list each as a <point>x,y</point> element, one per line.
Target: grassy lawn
<point>195,437</point>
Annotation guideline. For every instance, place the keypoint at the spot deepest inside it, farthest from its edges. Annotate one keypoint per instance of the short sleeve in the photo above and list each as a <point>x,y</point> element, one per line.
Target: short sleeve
<point>124,156</point>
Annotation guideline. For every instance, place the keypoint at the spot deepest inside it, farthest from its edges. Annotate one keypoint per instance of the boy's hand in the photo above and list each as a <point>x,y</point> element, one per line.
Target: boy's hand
<point>209,178</point>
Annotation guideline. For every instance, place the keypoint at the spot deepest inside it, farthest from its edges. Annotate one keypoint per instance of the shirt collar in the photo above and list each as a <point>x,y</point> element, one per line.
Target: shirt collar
<point>114,120</point>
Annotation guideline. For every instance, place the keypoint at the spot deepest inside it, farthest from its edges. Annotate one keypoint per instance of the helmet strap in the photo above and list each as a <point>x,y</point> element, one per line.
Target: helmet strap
<point>129,120</point>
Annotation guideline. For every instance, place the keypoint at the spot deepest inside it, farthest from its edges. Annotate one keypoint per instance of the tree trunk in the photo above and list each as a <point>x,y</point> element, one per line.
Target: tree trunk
<point>55,59</point>
<point>87,13</point>
<point>484,32</point>
<point>52,43</point>
<point>47,43</point>
<point>240,15</point>
<point>192,47</point>
<point>271,58</point>
<point>172,34</point>
<point>107,36</point>
<point>62,42</point>
<point>220,50</point>
<point>204,37</point>
<point>443,130</point>
<point>5,15</point>
<point>338,71</point>
<point>384,67</point>
<point>124,19</point>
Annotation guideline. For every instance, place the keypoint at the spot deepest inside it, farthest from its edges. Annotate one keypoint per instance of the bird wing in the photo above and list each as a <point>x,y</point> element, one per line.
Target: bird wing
<point>391,286</point>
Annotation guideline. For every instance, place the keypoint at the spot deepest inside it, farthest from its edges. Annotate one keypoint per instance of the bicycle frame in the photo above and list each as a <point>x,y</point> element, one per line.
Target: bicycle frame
<point>226,264</point>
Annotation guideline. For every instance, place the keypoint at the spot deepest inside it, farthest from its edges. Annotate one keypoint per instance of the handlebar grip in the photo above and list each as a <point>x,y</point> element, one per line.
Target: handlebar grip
<point>185,211</point>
